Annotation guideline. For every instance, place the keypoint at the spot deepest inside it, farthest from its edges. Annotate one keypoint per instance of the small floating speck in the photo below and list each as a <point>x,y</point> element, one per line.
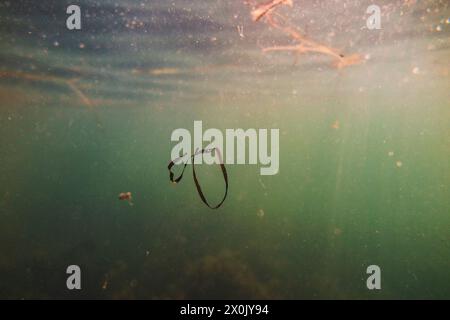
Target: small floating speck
<point>82,45</point>
<point>391,153</point>
<point>399,164</point>
<point>439,28</point>
<point>260,213</point>
<point>336,125</point>
<point>241,31</point>
<point>416,70</point>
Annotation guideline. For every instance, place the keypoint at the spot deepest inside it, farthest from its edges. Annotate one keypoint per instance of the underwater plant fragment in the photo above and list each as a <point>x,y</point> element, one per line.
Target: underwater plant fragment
<point>302,44</point>
<point>197,183</point>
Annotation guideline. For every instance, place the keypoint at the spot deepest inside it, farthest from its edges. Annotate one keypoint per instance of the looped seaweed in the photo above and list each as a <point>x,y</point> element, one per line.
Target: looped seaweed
<point>197,183</point>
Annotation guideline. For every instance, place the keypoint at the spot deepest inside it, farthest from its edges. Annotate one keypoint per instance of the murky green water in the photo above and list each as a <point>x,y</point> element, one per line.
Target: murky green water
<point>364,152</point>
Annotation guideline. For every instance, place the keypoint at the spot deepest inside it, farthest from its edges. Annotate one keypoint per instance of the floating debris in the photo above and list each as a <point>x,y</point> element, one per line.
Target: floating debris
<point>263,9</point>
<point>262,184</point>
<point>126,196</point>
<point>83,98</point>
<point>302,43</point>
<point>336,125</point>
<point>399,164</point>
<point>416,70</point>
<point>72,84</point>
<point>241,31</point>
<point>165,71</point>
<point>197,183</point>
<point>260,213</point>
<point>391,153</point>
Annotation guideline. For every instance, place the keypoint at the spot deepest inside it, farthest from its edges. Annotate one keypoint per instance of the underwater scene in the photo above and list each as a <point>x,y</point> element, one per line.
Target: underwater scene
<point>335,185</point>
